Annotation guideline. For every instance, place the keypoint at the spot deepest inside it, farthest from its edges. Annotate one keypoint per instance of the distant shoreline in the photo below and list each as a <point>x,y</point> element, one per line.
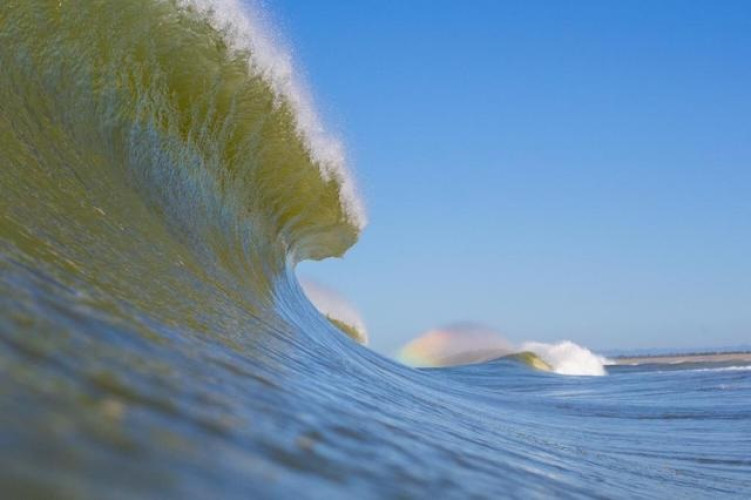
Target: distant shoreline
<point>701,357</point>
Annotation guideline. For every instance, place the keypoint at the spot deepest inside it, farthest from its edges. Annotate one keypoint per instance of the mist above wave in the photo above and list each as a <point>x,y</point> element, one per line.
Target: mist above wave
<point>469,343</point>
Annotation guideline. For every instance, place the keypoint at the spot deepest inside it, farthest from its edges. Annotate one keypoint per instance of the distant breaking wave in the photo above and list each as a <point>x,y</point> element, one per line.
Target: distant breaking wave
<point>337,309</point>
<point>568,358</point>
<point>467,343</point>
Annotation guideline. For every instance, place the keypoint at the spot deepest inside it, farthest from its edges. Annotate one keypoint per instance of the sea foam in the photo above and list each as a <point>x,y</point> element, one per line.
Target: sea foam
<point>568,358</point>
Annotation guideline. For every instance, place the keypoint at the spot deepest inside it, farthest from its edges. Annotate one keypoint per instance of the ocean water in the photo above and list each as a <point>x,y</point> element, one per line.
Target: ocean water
<point>162,173</point>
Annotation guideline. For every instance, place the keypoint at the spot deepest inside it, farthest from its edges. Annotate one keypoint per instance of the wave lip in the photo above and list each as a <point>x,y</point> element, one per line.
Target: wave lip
<point>246,32</point>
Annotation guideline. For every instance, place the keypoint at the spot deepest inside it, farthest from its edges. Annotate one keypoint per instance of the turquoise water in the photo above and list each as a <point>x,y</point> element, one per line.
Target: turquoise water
<point>161,178</point>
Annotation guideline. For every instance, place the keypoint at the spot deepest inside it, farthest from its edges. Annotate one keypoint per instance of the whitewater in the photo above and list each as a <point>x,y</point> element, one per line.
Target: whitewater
<point>163,171</point>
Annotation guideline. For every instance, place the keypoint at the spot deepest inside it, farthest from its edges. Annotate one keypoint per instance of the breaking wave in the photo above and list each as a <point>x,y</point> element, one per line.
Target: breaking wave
<point>568,358</point>
<point>162,172</point>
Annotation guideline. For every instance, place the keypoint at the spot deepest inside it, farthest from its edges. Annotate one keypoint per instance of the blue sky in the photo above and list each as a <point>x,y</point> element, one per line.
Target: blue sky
<point>554,170</point>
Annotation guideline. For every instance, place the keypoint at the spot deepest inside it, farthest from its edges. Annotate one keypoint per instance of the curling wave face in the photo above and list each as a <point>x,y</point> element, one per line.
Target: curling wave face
<point>168,97</point>
<point>161,174</point>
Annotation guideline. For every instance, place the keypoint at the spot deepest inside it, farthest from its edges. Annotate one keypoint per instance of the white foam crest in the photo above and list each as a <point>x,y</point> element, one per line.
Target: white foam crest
<point>334,305</point>
<point>568,358</point>
<point>246,30</point>
<point>743,368</point>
